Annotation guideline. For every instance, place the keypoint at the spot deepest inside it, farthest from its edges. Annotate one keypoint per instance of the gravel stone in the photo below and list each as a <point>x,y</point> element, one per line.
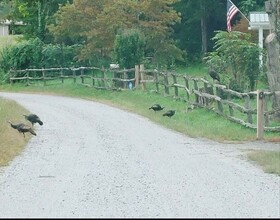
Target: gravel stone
<point>93,160</point>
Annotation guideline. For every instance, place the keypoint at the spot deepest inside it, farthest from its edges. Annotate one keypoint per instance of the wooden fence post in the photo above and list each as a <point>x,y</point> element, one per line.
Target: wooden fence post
<point>93,80</point>
<point>82,75</point>
<point>260,114</point>
<point>142,73</point>
<point>136,76</point>
<point>27,78</point>
<point>103,77</point>
<point>156,74</point>
<point>166,84</point>
<point>196,88</point>
<point>219,103</point>
<point>248,106</point>
<point>175,87</point>
<point>231,112</point>
<point>61,75</point>
<point>74,75</point>
<point>125,82</point>
<point>187,85</point>
<point>44,79</point>
<point>206,91</point>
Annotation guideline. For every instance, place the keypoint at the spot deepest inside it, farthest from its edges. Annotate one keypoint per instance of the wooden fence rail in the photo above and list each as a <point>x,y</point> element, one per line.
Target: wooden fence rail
<point>242,108</point>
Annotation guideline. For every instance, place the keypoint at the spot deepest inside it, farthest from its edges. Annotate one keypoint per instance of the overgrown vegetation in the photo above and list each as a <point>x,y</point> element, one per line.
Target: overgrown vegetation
<point>269,161</point>
<point>237,59</point>
<point>35,54</point>
<point>129,48</point>
<point>12,142</point>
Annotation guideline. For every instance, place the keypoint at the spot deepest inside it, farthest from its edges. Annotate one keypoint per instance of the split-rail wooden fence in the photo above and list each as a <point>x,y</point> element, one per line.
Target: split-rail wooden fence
<point>252,109</point>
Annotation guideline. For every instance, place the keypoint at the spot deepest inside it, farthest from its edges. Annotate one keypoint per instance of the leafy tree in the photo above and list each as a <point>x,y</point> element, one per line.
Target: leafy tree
<point>99,22</point>
<point>69,31</point>
<point>5,9</point>
<point>35,54</point>
<point>200,19</point>
<point>251,5</point>
<point>129,48</point>
<point>35,15</point>
<point>22,55</point>
<point>237,58</point>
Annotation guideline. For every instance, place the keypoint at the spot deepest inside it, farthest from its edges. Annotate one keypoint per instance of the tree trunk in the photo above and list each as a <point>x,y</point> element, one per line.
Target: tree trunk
<point>203,23</point>
<point>273,53</point>
<point>203,36</point>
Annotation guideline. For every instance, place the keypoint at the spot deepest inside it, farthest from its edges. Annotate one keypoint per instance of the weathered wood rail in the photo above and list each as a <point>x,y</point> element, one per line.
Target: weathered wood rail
<point>238,107</point>
<point>89,76</point>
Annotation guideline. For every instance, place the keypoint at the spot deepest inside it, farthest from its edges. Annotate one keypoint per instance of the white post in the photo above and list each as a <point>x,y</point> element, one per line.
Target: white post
<point>261,44</point>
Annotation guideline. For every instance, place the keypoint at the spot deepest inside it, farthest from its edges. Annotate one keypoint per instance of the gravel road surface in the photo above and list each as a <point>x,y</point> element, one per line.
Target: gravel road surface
<point>97,161</point>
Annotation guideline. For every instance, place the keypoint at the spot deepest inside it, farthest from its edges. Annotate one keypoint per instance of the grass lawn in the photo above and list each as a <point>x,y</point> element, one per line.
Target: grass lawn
<point>8,40</point>
<point>11,141</point>
<point>269,161</point>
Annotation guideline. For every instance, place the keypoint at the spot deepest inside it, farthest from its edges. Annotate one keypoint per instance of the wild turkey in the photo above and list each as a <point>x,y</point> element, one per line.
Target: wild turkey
<point>169,113</point>
<point>156,107</point>
<point>33,119</point>
<point>22,128</point>
<point>214,75</point>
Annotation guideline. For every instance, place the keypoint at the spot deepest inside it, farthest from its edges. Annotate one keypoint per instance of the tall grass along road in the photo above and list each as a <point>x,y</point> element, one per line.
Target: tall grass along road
<point>93,160</point>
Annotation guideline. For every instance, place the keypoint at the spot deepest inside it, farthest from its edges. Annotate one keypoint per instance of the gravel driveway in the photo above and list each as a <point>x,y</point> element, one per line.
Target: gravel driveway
<point>93,160</point>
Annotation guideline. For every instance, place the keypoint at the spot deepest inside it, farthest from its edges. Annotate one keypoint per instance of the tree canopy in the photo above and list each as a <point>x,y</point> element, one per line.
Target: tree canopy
<point>173,29</point>
<point>98,22</point>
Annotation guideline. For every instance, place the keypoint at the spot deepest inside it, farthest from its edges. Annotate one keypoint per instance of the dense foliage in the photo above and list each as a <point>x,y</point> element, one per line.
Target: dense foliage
<point>237,58</point>
<point>129,48</point>
<point>174,32</point>
<point>96,23</point>
<point>34,53</point>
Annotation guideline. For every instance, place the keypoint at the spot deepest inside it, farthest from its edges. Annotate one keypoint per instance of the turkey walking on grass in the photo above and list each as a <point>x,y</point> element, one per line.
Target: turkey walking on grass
<point>22,128</point>
<point>169,113</point>
<point>156,107</point>
<point>33,119</point>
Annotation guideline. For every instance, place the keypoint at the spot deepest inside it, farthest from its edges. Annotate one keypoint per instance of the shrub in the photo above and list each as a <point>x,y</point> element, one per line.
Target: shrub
<point>129,48</point>
<point>236,56</point>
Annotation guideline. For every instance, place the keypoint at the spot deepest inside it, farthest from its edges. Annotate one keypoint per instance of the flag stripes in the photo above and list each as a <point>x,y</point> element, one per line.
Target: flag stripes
<point>231,11</point>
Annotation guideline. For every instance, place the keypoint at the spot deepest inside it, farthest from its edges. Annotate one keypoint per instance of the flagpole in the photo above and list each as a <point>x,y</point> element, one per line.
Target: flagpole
<point>240,11</point>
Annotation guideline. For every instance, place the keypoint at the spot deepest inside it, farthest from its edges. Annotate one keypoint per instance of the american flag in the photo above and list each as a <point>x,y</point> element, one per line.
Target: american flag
<point>231,11</point>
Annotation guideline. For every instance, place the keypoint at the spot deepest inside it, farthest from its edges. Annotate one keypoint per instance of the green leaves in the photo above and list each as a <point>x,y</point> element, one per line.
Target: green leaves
<point>35,54</point>
<point>103,20</point>
<point>129,48</point>
<point>237,57</point>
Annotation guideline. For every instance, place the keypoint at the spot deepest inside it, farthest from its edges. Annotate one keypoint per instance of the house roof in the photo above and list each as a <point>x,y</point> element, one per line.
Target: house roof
<point>8,22</point>
<point>259,20</point>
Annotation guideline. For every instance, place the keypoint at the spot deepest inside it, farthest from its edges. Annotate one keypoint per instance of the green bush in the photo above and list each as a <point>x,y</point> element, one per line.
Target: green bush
<point>35,54</point>
<point>129,48</point>
<point>237,58</point>
<point>23,55</point>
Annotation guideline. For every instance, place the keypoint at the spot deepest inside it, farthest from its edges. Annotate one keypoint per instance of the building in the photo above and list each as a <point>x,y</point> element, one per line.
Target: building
<point>259,21</point>
<point>5,27</point>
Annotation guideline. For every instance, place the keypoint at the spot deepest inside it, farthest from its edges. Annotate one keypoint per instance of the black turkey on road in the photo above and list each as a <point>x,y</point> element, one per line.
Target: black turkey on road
<point>169,113</point>
<point>33,119</point>
<point>22,128</point>
<point>156,107</point>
